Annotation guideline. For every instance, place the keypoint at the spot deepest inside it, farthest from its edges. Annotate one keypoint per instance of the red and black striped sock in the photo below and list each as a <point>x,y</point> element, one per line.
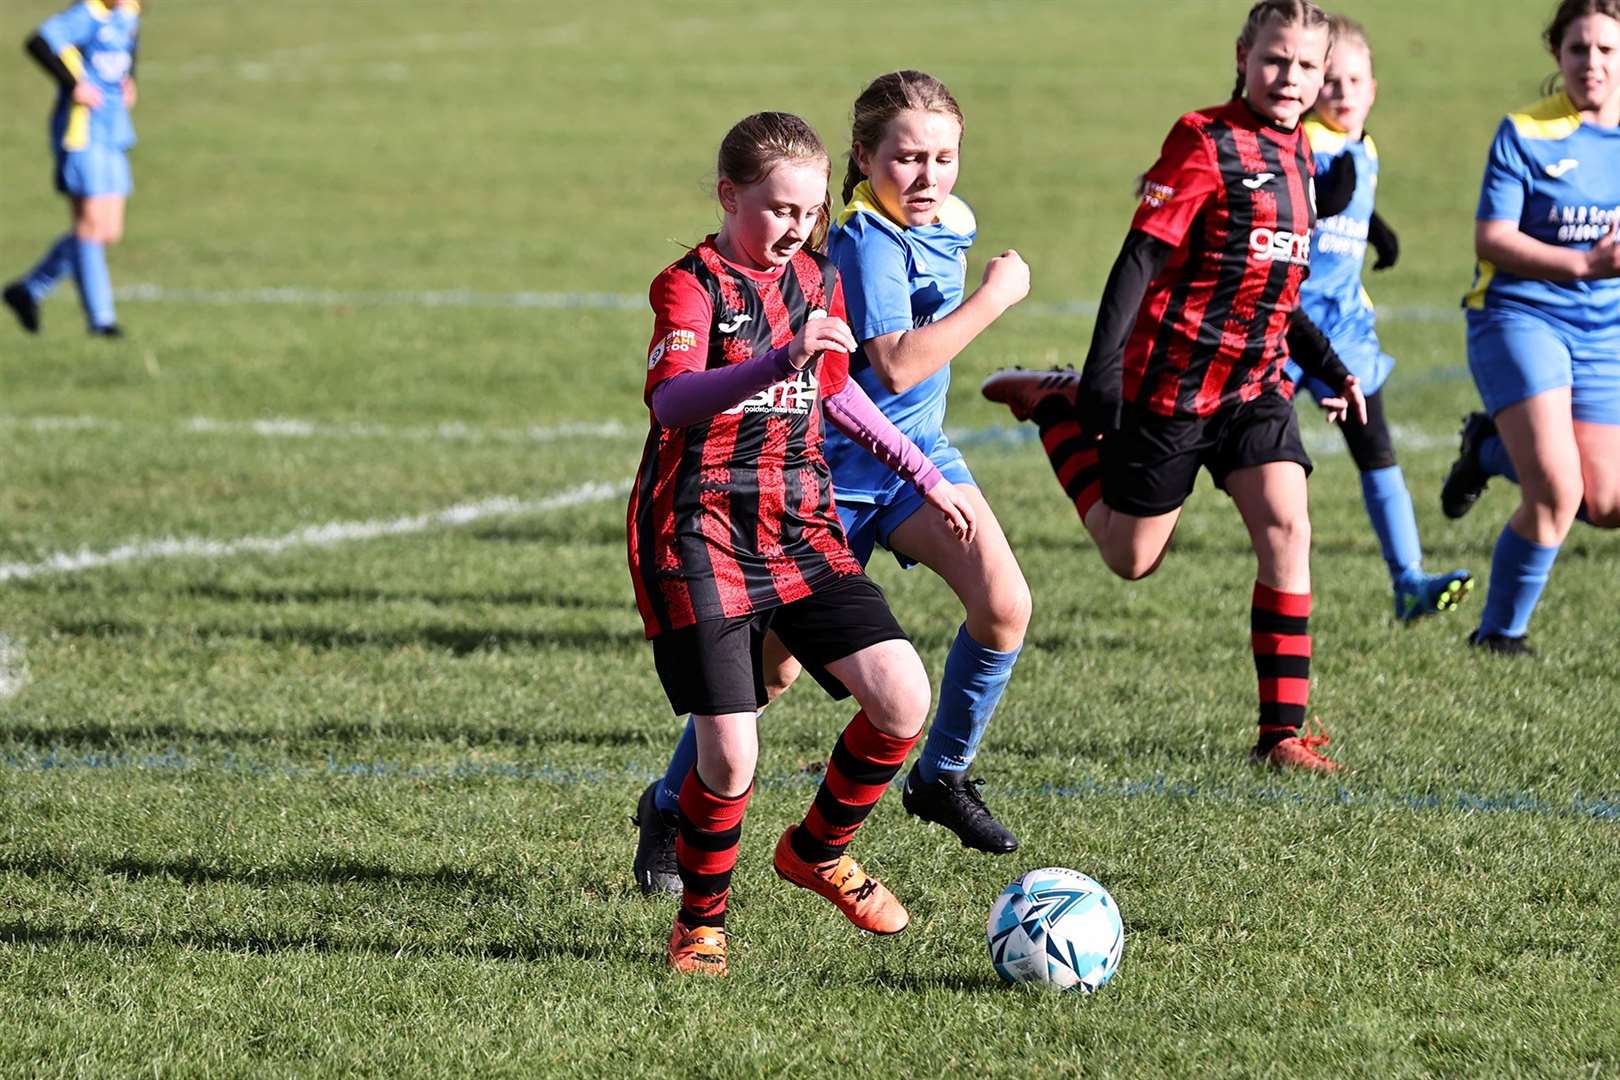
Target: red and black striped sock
<point>1075,458</point>
<point>861,766</point>
<point>1280,631</point>
<point>706,850</point>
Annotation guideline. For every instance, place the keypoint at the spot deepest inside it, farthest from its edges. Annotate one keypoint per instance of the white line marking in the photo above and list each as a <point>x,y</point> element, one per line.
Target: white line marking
<point>599,301</point>
<point>327,535</point>
<point>13,668</point>
<point>283,427</point>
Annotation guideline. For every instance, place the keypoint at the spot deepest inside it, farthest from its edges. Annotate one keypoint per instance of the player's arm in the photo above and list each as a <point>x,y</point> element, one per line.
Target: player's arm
<point>904,358</point>
<point>1310,349</point>
<point>1384,241</point>
<point>52,62</point>
<point>1102,379</point>
<point>129,79</point>
<point>1504,245</point>
<point>1336,186</point>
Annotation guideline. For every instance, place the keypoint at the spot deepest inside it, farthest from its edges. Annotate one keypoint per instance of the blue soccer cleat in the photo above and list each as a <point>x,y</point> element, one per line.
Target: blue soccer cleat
<point>1430,594</point>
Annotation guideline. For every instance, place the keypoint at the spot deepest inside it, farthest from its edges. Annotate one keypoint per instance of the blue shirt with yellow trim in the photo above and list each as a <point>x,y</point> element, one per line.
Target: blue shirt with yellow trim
<point>97,44</point>
<point>1333,296</point>
<point>1558,179</point>
<point>895,279</point>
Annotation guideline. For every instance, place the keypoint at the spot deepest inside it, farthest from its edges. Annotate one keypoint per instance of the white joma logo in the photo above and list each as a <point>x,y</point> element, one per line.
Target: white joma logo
<point>1562,167</point>
<point>1258,180</point>
<point>734,325</point>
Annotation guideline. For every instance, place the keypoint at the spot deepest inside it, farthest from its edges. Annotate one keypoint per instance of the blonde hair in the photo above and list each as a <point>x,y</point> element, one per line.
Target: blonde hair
<point>1286,12</point>
<point>1345,29</point>
<point>757,144</point>
<point>886,97</point>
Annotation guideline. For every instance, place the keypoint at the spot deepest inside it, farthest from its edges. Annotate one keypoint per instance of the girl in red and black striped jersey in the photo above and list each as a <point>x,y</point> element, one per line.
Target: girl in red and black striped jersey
<point>733,533</point>
<point>1199,316</point>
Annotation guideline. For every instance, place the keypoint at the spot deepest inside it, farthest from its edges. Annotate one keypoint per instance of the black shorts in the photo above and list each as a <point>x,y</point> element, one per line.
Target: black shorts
<point>715,667</point>
<point>1150,464</point>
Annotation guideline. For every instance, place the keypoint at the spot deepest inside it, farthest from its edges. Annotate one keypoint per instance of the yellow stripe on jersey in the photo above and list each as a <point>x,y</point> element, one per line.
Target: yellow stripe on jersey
<point>1549,119</point>
<point>1372,147</point>
<point>77,134</point>
<point>954,214</point>
<point>98,9</point>
<point>1324,140</point>
<point>1483,273</point>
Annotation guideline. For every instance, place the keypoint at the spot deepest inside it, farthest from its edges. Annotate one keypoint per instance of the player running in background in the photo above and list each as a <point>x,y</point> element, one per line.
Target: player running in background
<point>1346,185</point>
<point>733,534</point>
<point>89,50</point>
<point>1544,321</point>
<point>900,246</point>
<point>1198,318</point>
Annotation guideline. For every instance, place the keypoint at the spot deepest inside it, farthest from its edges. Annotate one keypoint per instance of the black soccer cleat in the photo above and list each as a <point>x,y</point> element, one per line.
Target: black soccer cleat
<point>1466,481</point>
<point>656,871</point>
<point>111,330</point>
<point>1501,644</point>
<point>23,305</point>
<point>953,800</point>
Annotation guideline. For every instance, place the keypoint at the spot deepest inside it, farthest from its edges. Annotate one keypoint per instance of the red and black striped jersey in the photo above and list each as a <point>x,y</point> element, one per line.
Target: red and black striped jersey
<point>1232,194</point>
<point>735,514</point>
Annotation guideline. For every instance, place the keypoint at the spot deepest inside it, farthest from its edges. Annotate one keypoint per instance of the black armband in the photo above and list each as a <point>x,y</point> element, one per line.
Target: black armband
<point>54,66</point>
<point>1336,187</point>
<point>1311,350</point>
<point>1102,382</point>
<point>1384,241</point>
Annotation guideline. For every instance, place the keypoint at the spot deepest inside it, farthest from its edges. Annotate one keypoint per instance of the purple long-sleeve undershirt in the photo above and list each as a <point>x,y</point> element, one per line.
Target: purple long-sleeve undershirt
<point>695,396</point>
<point>858,416</point>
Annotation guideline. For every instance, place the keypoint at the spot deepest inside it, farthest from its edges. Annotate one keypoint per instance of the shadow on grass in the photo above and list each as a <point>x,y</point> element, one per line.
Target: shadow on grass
<point>194,871</point>
<point>141,736</point>
<point>620,949</point>
<point>341,595</point>
<point>459,641</point>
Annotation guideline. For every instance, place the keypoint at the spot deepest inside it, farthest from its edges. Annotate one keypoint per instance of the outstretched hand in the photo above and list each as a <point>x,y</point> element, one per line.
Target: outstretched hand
<point>948,499</point>
<point>1337,408</point>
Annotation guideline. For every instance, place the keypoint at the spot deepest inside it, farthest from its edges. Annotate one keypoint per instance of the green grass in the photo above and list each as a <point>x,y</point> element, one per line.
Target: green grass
<point>362,808</point>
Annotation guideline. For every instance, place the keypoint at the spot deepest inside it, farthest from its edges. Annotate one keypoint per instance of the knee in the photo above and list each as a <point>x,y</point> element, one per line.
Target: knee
<point>779,679</point>
<point>1005,615</point>
<point>1132,565</point>
<point>1289,538</point>
<point>730,773</point>
<point>905,704</point>
<point>1558,500</point>
<point>1603,512</point>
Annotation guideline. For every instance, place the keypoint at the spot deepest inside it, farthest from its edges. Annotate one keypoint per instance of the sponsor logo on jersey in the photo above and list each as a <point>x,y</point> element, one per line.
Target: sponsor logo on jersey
<point>1258,180</point>
<point>1273,245</point>
<point>733,324</point>
<point>795,395</point>
<point>1559,168</point>
<point>1155,195</point>
<point>1583,224</point>
<point>675,341</point>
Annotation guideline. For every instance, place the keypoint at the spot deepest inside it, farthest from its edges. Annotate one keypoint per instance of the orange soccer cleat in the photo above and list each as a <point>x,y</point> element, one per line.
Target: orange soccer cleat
<point>697,950</point>
<point>863,900</point>
<point>1021,390</point>
<point>1299,752</point>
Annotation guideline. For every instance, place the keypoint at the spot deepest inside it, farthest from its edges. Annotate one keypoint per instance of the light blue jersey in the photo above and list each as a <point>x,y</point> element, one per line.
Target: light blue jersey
<point>97,44</point>
<point>895,279</point>
<point>1333,296</point>
<point>1558,180</point>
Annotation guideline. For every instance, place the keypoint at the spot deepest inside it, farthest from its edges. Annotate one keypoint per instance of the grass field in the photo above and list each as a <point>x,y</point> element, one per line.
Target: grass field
<point>323,699</point>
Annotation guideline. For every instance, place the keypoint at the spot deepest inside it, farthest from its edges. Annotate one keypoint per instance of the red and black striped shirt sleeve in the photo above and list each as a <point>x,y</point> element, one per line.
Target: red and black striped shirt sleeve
<point>682,313</point>
<point>1177,187</point>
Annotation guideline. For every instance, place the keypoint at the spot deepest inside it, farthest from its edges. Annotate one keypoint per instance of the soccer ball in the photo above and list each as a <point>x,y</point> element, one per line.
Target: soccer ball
<point>1057,928</point>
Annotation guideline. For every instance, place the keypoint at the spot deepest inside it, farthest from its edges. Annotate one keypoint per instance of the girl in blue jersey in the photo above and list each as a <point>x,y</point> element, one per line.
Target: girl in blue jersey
<point>89,50</point>
<point>1544,320</point>
<point>901,250</point>
<point>1346,185</point>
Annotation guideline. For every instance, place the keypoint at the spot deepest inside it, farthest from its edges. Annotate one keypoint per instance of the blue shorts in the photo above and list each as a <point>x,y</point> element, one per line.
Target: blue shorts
<point>95,170</point>
<point>1515,355</point>
<point>869,524</point>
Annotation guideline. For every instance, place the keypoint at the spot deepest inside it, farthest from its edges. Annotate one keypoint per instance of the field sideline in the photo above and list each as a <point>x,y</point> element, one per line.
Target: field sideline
<point>323,698</point>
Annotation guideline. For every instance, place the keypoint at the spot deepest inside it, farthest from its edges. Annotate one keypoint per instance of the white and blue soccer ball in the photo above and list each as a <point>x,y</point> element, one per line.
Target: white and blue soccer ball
<point>1056,928</point>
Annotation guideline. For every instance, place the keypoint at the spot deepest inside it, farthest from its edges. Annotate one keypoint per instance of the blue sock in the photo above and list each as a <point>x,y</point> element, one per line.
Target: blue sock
<point>56,265</point>
<point>1519,572</point>
<point>974,679</point>
<point>681,762</point>
<point>95,286</point>
<point>1389,505</point>
<point>1493,456</point>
